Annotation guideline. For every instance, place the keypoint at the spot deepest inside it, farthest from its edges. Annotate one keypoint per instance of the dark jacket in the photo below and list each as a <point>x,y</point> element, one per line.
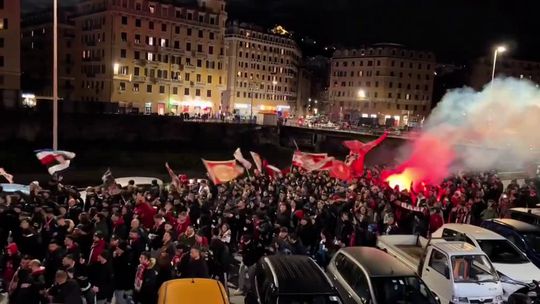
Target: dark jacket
<point>149,288</point>
<point>252,252</point>
<point>28,287</point>
<point>53,262</point>
<point>195,269</point>
<point>123,274</point>
<point>79,273</point>
<point>67,293</point>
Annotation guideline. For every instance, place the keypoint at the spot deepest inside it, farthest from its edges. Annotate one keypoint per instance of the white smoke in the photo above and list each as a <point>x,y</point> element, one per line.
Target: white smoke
<point>496,128</point>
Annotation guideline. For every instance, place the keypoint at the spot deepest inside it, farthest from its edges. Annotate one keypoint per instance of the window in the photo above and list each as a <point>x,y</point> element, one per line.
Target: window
<point>122,86</point>
<point>197,92</point>
<point>208,93</point>
<point>188,46</point>
<point>186,76</point>
<point>199,63</point>
<point>211,35</point>
<point>148,108</point>
<point>199,48</point>
<point>124,20</point>
<point>151,25</point>
<point>175,91</point>
<point>1,42</point>
<point>354,277</point>
<point>209,79</point>
<point>161,89</point>
<point>149,88</point>
<point>177,30</point>
<point>186,91</point>
<point>4,24</point>
<point>123,53</point>
<point>210,50</point>
<point>152,8</point>
<point>163,27</point>
<point>135,87</point>
<point>136,71</point>
<point>138,22</point>
<point>1,61</point>
<point>198,77</point>
<point>201,34</point>
<point>439,263</point>
<point>123,36</point>
<point>189,32</point>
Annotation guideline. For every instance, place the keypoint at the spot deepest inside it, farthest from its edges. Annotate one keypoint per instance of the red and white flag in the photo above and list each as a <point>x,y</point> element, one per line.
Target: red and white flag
<point>6,175</point>
<point>312,161</point>
<point>272,171</point>
<point>257,160</point>
<point>222,171</point>
<point>55,161</point>
<point>240,158</point>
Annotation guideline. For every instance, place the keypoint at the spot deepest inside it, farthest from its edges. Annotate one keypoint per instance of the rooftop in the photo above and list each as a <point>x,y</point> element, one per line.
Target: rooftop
<point>476,232</point>
<point>457,248</point>
<point>517,225</point>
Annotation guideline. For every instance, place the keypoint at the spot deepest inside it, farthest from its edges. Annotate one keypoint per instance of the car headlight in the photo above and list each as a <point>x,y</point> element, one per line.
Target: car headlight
<point>459,300</point>
<point>498,300</point>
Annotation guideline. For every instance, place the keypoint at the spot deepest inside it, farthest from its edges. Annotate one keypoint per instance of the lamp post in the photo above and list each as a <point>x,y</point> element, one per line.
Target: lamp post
<point>55,75</point>
<point>498,49</point>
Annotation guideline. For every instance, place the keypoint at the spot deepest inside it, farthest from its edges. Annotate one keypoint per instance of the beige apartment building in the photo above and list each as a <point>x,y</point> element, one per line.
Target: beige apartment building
<point>10,60</point>
<point>387,83</point>
<point>37,55</point>
<point>263,71</point>
<point>482,70</point>
<point>151,56</point>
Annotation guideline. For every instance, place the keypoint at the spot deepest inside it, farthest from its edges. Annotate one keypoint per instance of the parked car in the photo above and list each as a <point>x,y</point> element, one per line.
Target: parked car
<point>192,291</point>
<point>527,215</point>
<point>516,271</point>
<point>369,275</point>
<point>524,235</point>
<point>285,279</point>
<point>456,272</point>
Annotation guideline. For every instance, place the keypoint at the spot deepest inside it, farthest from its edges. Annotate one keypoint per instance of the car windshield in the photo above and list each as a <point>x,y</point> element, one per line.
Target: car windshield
<point>401,290</point>
<point>473,269</point>
<point>502,251</point>
<point>533,240</point>
<point>308,299</point>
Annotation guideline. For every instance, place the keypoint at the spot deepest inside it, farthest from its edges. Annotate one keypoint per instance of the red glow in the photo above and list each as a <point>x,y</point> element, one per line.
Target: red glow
<point>429,163</point>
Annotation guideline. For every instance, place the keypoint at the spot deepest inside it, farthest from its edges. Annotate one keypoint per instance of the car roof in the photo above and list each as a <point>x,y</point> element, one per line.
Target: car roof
<point>533,211</point>
<point>192,291</point>
<point>457,248</point>
<point>476,232</point>
<point>377,262</point>
<point>139,180</point>
<point>296,274</point>
<point>516,225</point>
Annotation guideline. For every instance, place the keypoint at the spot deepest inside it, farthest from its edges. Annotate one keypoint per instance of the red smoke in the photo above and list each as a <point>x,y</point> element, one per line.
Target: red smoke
<point>429,163</point>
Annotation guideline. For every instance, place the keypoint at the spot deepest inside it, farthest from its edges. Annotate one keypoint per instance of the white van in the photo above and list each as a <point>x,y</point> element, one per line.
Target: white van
<point>516,271</point>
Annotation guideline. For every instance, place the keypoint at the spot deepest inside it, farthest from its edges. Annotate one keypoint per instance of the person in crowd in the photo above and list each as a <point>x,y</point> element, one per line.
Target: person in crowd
<point>123,275</point>
<point>145,286</point>
<point>79,272</point>
<point>65,290</point>
<point>196,266</point>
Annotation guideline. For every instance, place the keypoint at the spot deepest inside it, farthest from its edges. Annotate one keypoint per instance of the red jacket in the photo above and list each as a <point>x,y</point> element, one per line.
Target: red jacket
<point>97,249</point>
<point>146,214</point>
<point>181,227</point>
<point>435,222</point>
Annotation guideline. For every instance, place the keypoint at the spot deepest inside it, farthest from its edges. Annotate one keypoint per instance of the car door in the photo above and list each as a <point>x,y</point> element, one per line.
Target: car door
<point>436,274</point>
<point>350,281</point>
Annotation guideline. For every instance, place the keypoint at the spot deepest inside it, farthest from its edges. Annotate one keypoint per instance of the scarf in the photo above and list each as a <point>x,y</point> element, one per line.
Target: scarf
<point>139,276</point>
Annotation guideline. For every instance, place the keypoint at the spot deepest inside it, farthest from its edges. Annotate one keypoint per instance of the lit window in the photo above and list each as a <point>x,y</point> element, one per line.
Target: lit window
<point>152,9</point>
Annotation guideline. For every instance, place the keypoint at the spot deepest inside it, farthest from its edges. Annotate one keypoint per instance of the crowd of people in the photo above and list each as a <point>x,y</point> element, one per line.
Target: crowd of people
<point>59,248</point>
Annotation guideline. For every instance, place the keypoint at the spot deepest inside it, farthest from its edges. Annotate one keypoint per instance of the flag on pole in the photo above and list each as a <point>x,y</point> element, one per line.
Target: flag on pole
<point>312,161</point>
<point>110,183</point>
<point>222,171</point>
<point>175,180</point>
<point>55,161</point>
<point>272,171</point>
<point>6,175</point>
<point>239,157</point>
<point>257,160</point>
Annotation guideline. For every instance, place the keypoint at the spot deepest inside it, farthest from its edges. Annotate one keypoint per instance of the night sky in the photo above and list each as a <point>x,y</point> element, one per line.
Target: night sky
<point>453,29</point>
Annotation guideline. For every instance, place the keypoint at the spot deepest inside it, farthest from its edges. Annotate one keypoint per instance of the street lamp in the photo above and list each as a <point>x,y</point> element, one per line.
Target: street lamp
<point>55,75</point>
<point>499,49</point>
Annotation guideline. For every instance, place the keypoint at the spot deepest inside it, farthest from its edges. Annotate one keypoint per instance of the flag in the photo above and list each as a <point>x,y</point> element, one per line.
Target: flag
<point>312,161</point>
<point>358,151</point>
<point>257,160</point>
<point>55,161</point>
<point>272,171</point>
<point>222,171</point>
<point>340,170</point>
<point>239,157</point>
<point>175,180</point>
<point>6,175</point>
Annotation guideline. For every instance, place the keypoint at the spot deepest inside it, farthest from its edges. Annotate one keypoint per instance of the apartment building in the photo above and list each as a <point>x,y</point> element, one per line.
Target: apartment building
<point>37,54</point>
<point>482,69</point>
<point>10,61</point>
<point>385,83</point>
<point>152,56</point>
<point>263,71</point>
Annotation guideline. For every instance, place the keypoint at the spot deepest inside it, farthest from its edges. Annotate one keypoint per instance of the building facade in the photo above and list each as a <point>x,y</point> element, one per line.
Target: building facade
<point>482,69</point>
<point>10,62</point>
<point>384,83</point>
<point>263,71</point>
<point>152,56</point>
<point>37,55</point>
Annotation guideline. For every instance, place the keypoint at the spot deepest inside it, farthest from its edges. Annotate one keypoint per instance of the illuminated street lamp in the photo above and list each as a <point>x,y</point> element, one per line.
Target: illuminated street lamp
<point>498,50</point>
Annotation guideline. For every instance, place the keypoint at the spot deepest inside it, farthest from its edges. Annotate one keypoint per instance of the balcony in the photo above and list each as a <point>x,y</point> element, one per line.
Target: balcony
<point>138,79</point>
